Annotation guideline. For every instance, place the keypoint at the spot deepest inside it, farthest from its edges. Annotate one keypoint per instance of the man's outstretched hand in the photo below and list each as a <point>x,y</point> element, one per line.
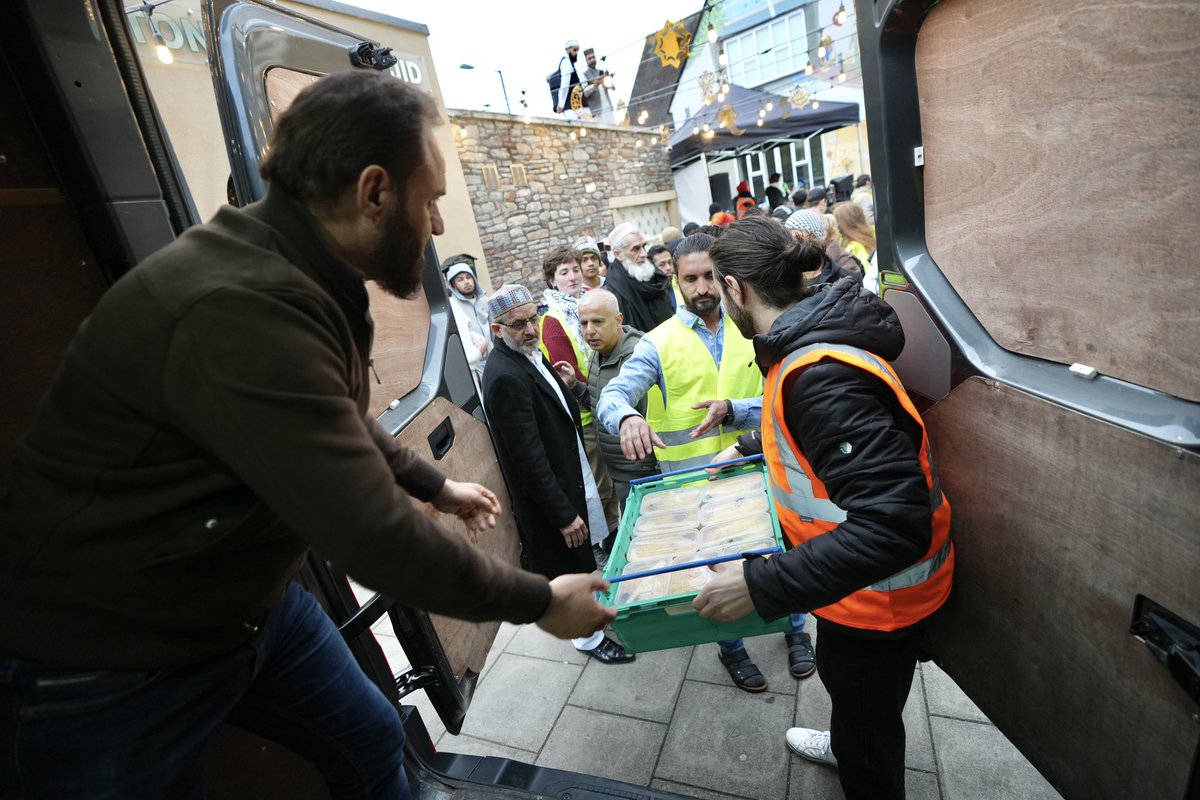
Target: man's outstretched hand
<point>475,505</point>
<point>574,611</point>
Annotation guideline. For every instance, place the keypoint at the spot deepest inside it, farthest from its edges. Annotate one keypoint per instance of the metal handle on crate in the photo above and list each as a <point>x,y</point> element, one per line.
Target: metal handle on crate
<point>764,551</point>
<point>718,465</point>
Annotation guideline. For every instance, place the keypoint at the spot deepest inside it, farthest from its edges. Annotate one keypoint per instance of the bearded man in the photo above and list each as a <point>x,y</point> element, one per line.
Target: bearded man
<point>539,438</point>
<point>643,293</point>
<point>207,426</point>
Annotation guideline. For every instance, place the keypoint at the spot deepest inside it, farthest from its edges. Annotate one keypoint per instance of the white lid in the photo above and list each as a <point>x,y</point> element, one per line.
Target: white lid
<point>731,487</point>
<point>749,526</point>
<point>733,508</point>
<point>686,497</point>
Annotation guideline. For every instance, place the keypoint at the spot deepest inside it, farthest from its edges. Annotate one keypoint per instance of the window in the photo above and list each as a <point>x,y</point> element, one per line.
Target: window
<point>770,51</point>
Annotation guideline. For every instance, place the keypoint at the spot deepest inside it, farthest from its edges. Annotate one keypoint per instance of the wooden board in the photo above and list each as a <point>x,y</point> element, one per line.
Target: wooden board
<point>401,333</point>
<point>1058,521</point>
<point>1061,154</point>
<point>472,458</point>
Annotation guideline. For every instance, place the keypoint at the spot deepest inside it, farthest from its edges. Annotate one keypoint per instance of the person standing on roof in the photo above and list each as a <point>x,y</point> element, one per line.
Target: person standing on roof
<point>569,78</point>
<point>594,91</point>
<point>855,489</point>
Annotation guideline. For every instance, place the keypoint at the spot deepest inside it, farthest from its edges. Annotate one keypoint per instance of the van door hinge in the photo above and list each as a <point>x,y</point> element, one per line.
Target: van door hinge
<point>365,54</point>
<point>1174,641</point>
<point>409,682</point>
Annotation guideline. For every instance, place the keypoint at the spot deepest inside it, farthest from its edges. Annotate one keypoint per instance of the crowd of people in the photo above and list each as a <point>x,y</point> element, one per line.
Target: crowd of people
<point>160,507</point>
<point>758,332</point>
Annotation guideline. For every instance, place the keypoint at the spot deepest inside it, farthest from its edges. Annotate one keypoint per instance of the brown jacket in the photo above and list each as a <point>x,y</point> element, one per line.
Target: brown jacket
<point>205,428</point>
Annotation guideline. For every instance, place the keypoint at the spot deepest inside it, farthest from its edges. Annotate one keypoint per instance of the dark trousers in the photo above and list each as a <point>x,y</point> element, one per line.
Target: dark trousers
<point>868,681</point>
<point>74,733</point>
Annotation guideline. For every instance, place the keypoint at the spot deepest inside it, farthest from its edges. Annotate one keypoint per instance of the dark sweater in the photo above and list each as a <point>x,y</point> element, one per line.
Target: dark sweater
<point>208,425</point>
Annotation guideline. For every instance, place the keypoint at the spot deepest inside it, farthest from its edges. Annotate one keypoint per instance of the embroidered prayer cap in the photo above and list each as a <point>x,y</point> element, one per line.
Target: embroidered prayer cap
<point>506,298</point>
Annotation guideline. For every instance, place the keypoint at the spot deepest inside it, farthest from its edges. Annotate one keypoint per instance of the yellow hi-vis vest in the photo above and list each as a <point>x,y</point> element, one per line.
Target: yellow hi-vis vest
<point>585,416</point>
<point>690,376</point>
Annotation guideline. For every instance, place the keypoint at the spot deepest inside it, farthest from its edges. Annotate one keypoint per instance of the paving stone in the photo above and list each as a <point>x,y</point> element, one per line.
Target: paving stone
<point>532,641</point>
<point>646,688</point>
<point>606,745</point>
<point>976,762</point>
<point>769,654</point>
<point>503,637</point>
<point>724,739</point>
<point>811,781</point>
<point>944,697</point>
<point>520,700</point>
<point>690,791</point>
<point>813,708</point>
<point>470,746</point>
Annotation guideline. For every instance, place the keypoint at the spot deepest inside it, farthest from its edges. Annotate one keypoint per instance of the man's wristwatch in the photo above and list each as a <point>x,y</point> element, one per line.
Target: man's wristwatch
<point>729,415</point>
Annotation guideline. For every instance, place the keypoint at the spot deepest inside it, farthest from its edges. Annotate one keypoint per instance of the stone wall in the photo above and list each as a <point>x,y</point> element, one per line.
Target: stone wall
<point>571,188</point>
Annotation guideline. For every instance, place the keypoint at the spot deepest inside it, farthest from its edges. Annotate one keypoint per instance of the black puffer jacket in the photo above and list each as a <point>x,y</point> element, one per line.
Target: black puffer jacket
<point>879,482</point>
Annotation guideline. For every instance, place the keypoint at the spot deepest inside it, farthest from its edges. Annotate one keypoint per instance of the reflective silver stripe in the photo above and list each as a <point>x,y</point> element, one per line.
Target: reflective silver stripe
<point>686,463</point>
<point>935,492</point>
<point>676,438</point>
<point>800,499</point>
<point>916,574</point>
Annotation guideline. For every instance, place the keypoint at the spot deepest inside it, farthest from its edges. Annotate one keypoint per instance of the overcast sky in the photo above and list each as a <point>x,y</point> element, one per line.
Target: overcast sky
<point>526,41</point>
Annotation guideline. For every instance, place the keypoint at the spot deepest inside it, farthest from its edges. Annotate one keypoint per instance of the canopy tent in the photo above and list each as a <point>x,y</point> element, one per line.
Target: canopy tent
<point>740,112</point>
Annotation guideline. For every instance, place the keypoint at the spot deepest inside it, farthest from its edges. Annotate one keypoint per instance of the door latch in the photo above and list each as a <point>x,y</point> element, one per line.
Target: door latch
<point>1174,641</point>
<point>367,55</point>
<point>409,682</point>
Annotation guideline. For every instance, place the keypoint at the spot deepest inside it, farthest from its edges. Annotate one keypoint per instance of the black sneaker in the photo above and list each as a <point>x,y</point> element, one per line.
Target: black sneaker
<point>742,670</point>
<point>802,661</point>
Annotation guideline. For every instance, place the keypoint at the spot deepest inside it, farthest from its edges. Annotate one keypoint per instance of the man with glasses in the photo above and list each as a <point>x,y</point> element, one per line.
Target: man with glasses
<point>535,421</point>
<point>643,293</point>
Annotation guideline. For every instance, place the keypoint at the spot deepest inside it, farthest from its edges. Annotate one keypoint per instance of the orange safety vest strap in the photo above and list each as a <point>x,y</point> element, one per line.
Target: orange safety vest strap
<point>805,510</point>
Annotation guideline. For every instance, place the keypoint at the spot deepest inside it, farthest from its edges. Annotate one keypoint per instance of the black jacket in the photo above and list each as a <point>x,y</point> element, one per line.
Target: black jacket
<point>879,483</point>
<point>538,444</point>
<point>644,304</point>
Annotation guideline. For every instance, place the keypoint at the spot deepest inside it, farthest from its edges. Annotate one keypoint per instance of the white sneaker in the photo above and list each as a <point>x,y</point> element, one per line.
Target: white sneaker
<point>813,745</point>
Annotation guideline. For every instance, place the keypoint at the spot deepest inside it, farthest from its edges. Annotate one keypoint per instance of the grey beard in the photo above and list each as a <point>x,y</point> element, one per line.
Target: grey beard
<point>642,272</point>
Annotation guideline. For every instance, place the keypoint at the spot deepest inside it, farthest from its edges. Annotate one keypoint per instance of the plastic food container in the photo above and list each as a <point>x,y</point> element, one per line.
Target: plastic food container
<point>645,564</point>
<point>716,491</point>
<point>666,521</point>
<point>641,589</point>
<point>744,545</point>
<point>685,498</point>
<point>690,581</point>
<point>747,527</point>
<point>663,546</point>
<point>733,509</point>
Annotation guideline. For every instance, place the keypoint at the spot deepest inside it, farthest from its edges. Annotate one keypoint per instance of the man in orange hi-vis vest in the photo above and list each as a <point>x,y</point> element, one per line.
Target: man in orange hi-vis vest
<point>855,489</point>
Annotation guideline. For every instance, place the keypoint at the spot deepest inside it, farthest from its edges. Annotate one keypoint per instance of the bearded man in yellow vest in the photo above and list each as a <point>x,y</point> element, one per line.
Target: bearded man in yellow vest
<point>855,490</point>
<point>694,356</point>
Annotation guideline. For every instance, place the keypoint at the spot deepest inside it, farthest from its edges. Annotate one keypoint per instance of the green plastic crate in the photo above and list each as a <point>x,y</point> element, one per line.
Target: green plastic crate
<point>671,621</point>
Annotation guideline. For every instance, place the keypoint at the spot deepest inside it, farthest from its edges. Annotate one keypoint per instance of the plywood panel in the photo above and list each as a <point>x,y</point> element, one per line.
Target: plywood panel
<point>401,333</point>
<point>1061,155</point>
<point>472,458</point>
<point>1059,520</point>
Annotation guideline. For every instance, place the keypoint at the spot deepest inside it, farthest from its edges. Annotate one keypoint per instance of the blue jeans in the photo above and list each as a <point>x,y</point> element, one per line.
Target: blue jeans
<point>72,733</point>
<point>737,644</point>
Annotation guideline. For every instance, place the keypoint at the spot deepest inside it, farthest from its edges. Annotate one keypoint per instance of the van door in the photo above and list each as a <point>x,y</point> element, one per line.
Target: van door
<point>1034,216</point>
<point>261,58</point>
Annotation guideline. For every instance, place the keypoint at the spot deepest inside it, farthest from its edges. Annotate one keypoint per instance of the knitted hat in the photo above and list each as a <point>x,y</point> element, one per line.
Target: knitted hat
<point>587,245</point>
<point>508,297</point>
<point>744,186</point>
<point>571,43</point>
<point>808,222</point>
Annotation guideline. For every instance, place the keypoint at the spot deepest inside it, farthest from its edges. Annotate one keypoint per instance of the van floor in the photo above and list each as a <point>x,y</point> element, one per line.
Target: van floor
<point>672,720</point>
